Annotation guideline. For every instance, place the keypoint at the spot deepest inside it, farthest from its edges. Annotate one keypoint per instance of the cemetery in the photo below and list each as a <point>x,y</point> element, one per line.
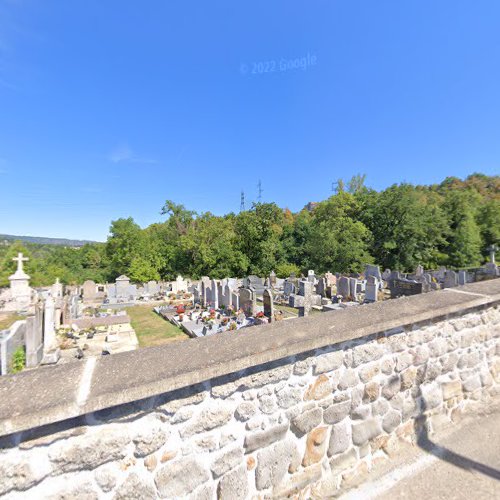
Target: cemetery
<point>61,324</point>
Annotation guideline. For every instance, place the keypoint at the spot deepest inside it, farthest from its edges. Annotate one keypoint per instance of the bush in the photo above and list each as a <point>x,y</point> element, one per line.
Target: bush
<point>285,269</point>
<point>18,360</point>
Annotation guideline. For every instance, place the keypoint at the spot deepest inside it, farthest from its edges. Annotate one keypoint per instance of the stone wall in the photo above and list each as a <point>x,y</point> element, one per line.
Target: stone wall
<point>310,422</point>
<point>305,406</point>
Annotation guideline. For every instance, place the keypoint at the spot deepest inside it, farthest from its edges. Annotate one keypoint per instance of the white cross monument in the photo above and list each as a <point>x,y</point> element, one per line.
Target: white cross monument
<point>20,290</point>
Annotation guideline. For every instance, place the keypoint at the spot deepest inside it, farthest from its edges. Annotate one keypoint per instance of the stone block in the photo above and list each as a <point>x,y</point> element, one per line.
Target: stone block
<point>348,379</point>
<point>342,462</point>
<point>365,431</point>
<point>226,461</point>
<point>380,407</point>
<point>298,482</point>
<point>392,387</point>
<point>90,450</point>
<point>180,477</point>
<point>307,421</point>
<point>315,446</point>
<point>264,438</point>
<point>422,355</point>
<point>451,389</point>
<point>366,373</point>
<point>215,415</point>
<point>19,473</point>
<point>286,397</point>
<point>391,421</point>
<point>328,362</point>
<point>152,438</point>
<point>371,392</point>
<point>361,412</point>
<point>233,485</point>
<point>337,412</point>
<point>106,477</point>
<point>320,389</point>
<point>403,361</point>
<point>340,438</point>
<point>432,396</point>
<point>472,383</point>
<point>408,378</point>
<point>135,487</point>
<point>365,353</point>
<point>273,463</point>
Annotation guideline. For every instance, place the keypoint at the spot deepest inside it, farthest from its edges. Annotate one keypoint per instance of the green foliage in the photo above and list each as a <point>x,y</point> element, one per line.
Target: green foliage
<point>400,227</point>
<point>285,269</point>
<point>18,360</point>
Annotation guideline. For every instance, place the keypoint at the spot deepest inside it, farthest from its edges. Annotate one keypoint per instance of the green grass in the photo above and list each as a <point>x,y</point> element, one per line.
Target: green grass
<point>7,320</point>
<point>151,329</point>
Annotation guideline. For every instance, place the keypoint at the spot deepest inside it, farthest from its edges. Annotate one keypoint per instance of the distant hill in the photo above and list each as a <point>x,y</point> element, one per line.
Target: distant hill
<point>40,240</point>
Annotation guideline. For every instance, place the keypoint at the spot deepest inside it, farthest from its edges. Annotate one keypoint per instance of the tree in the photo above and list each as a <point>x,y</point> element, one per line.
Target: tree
<point>409,227</point>
<point>125,243</point>
<point>338,241</point>
<point>464,247</point>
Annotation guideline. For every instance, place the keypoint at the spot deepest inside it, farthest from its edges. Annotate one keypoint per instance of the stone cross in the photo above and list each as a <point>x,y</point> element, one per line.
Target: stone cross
<point>20,259</point>
<point>492,249</point>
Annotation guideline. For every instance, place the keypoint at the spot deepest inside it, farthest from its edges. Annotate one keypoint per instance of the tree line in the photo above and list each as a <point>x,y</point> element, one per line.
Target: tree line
<point>449,224</point>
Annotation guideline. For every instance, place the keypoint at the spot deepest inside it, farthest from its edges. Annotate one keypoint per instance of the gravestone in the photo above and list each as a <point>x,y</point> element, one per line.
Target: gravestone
<point>331,279</point>
<point>34,338</point>
<point>226,298</point>
<point>462,277</point>
<point>205,285</point>
<point>353,285</point>
<point>51,352</point>
<point>267,298</point>
<point>152,287</point>
<point>235,299</point>
<point>321,287</point>
<point>122,287</point>
<point>20,290</point>
<point>372,270</point>
<point>404,287</point>
<point>248,301</point>
<point>179,285</point>
<point>89,293</point>
<point>386,274</point>
<point>344,287</point>
<point>306,290</point>
<point>289,288</point>
<point>371,290</point>
<point>272,278</point>
<point>450,279</point>
<point>215,294</point>
<point>57,289</point>
<point>419,271</point>
<point>311,276</point>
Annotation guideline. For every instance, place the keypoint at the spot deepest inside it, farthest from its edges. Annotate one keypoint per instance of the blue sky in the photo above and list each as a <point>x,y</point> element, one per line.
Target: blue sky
<point>108,108</point>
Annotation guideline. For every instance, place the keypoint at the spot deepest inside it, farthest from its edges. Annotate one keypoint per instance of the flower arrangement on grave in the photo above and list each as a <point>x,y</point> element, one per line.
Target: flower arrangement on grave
<point>225,321</point>
<point>212,313</point>
<point>186,295</point>
<point>232,326</point>
<point>180,309</point>
<point>260,314</point>
<point>171,296</point>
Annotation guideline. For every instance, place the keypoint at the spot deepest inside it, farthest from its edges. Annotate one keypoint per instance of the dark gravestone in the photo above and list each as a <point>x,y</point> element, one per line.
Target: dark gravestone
<point>267,298</point>
<point>403,287</point>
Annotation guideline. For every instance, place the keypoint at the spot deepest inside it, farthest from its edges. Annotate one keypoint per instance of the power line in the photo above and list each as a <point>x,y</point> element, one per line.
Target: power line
<point>259,187</point>
<point>242,204</point>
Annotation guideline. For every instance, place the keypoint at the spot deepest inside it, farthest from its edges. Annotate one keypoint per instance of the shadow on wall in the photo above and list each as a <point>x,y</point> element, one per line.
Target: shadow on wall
<point>423,441</point>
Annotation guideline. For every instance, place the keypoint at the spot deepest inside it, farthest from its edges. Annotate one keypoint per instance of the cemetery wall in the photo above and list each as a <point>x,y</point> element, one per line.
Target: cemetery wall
<point>11,341</point>
<point>301,406</point>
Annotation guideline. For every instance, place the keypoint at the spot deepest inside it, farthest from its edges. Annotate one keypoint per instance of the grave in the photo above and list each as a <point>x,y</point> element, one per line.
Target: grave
<point>20,291</point>
<point>267,298</point>
<point>371,289</point>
